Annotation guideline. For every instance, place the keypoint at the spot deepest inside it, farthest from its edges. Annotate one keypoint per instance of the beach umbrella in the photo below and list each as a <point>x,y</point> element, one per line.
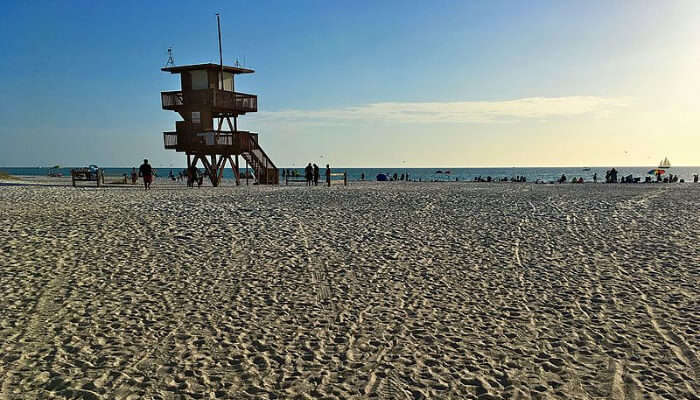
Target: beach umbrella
<point>657,171</point>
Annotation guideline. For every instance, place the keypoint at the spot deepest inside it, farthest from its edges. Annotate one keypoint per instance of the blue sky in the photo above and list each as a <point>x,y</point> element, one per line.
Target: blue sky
<point>362,83</point>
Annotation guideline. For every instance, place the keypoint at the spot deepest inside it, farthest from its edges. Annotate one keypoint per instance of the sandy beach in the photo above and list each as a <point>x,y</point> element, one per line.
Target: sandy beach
<point>390,291</point>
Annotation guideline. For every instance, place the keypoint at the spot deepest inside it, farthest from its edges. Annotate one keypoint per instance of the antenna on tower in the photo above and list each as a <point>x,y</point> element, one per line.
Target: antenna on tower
<point>171,60</point>
<point>221,58</point>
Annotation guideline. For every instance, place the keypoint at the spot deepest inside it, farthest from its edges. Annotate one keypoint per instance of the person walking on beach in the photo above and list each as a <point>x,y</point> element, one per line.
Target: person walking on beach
<point>134,176</point>
<point>146,172</point>
<point>595,177</point>
<point>316,175</point>
<point>309,174</point>
<point>328,174</point>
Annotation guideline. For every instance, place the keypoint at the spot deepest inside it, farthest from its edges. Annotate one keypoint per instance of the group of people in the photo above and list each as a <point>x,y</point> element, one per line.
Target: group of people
<point>193,176</point>
<point>312,174</point>
<point>610,176</point>
<point>673,179</point>
<point>562,179</point>
<point>519,179</point>
<point>147,172</point>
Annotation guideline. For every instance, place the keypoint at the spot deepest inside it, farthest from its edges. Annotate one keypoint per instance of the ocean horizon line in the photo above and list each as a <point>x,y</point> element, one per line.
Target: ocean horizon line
<point>378,167</point>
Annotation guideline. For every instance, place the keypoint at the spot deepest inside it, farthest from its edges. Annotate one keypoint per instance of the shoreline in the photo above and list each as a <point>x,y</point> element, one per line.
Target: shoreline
<point>33,180</point>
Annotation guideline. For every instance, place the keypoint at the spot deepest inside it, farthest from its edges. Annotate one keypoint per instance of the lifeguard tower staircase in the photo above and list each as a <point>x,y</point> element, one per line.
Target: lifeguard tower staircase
<point>207,99</point>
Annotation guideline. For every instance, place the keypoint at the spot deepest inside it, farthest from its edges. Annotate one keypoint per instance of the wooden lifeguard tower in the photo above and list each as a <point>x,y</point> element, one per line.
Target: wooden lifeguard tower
<point>205,100</point>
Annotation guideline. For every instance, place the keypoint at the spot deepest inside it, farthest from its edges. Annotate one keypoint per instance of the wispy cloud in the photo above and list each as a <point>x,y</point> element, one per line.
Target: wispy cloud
<point>532,108</point>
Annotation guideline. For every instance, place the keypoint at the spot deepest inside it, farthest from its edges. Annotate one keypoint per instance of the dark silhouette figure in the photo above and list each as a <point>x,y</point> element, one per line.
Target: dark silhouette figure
<point>146,172</point>
<point>316,175</point>
<point>309,174</point>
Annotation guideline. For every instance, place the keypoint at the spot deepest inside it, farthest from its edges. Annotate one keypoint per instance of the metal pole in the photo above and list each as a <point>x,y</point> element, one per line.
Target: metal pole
<point>221,58</point>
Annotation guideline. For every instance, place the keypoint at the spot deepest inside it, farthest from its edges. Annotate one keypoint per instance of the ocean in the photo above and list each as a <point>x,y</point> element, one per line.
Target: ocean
<point>545,174</point>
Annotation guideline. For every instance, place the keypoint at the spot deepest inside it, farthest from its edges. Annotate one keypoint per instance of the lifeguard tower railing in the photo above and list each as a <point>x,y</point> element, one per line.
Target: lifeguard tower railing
<point>220,100</point>
<point>239,142</point>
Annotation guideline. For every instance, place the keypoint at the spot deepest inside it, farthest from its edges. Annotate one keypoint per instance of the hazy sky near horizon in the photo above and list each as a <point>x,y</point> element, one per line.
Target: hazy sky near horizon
<point>443,83</point>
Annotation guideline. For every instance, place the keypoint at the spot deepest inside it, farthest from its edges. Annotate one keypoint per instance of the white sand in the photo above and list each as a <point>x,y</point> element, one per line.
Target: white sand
<point>372,291</point>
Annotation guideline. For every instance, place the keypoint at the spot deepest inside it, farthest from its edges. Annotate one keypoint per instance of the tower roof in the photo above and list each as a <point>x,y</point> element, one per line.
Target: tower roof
<point>183,68</point>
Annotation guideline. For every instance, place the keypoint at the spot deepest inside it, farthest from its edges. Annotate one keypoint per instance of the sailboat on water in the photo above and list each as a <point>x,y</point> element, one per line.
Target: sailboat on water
<point>665,163</point>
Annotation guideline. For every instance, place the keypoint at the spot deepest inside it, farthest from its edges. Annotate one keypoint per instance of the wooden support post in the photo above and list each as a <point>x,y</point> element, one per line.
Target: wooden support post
<point>214,173</point>
<point>207,166</point>
<point>222,162</point>
<point>211,168</point>
<point>218,130</point>
<point>192,164</point>
<point>234,167</point>
<point>246,172</point>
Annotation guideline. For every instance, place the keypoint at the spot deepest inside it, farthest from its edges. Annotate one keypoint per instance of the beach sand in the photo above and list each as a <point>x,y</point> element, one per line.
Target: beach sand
<point>391,291</point>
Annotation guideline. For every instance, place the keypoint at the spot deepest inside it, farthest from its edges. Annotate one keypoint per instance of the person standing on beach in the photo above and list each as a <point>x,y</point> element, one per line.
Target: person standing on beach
<point>309,174</point>
<point>328,174</point>
<point>134,176</point>
<point>595,177</point>
<point>146,172</point>
<point>316,175</point>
